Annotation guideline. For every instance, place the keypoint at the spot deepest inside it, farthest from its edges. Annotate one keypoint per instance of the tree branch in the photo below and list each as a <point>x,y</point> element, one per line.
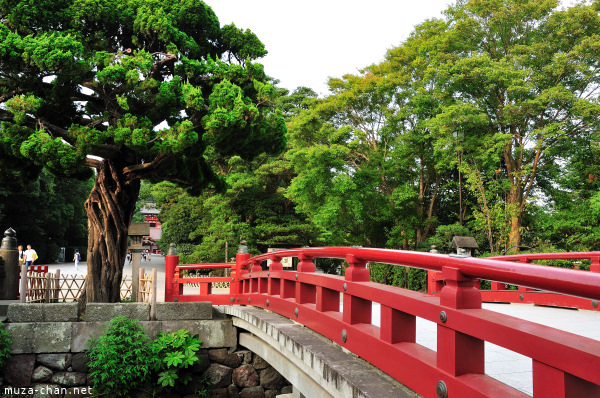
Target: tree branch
<point>95,163</point>
<point>167,60</point>
<point>145,169</point>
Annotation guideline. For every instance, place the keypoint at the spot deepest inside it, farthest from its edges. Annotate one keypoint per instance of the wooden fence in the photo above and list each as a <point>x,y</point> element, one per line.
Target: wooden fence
<point>46,287</point>
<point>147,289</point>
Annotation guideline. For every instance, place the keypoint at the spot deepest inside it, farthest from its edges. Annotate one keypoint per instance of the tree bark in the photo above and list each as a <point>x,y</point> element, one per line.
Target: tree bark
<point>109,208</point>
<point>514,204</point>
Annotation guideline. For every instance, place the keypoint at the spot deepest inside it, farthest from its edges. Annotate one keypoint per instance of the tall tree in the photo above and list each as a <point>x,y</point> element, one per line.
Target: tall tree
<point>253,207</point>
<point>134,89</point>
<point>525,78</point>
<point>340,150</point>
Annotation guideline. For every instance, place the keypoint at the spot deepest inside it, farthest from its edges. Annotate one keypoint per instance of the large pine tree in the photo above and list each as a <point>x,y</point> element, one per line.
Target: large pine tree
<point>133,89</point>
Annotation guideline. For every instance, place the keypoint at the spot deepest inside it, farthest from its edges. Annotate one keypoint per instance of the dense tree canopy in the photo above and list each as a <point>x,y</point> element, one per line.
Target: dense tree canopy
<point>483,122</point>
<point>253,207</point>
<point>502,94</point>
<point>134,89</point>
<point>46,211</point>
<point>523,77</point>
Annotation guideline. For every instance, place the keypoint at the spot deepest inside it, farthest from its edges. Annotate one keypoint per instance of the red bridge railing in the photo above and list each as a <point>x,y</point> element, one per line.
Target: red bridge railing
<point>340,308</point>
<point>500,293</point>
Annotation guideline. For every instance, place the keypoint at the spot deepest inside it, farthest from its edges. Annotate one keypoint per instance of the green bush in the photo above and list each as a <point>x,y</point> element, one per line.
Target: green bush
<point>175,354</point>
<point>4,345</point>
<point>123,359</point>
<point>120,360</point>
<point>396,275</point>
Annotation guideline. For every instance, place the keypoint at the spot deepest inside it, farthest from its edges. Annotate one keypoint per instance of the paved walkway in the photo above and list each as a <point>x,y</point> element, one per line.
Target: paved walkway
<point>504,365</point>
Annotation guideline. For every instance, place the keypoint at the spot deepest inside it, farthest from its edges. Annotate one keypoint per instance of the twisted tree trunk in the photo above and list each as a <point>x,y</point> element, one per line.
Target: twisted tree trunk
<point>109,208</point>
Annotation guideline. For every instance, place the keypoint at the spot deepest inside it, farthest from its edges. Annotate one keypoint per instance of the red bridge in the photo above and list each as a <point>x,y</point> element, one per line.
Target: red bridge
<point>340,308</point>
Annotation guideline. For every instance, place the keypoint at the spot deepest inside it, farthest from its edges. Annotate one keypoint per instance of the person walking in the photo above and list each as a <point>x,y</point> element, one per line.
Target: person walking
<point>30,256</point>
<point>21,255</point>
<point>77,259</point>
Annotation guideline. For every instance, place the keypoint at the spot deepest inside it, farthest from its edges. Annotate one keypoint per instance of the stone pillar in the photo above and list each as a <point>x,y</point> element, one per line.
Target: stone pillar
<point>9,266</point>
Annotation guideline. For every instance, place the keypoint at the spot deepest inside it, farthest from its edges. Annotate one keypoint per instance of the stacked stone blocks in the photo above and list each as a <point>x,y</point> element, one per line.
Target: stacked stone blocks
<point>49,340</point>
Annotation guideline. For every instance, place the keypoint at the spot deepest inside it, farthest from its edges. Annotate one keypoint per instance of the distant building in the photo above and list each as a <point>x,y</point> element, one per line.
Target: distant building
<point>151,217</point>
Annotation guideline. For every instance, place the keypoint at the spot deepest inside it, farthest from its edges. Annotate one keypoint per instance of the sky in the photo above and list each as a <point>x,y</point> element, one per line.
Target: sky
<point>309,41</point>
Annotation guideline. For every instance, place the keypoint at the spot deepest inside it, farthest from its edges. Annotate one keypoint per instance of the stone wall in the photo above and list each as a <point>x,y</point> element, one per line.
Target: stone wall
<point>49,340</point>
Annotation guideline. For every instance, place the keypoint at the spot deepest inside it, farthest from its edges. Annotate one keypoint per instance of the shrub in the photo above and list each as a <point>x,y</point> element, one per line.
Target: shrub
<point>4,345</point>
<point>175,354</point>
<point>120,360</point>
<point>123,359</point>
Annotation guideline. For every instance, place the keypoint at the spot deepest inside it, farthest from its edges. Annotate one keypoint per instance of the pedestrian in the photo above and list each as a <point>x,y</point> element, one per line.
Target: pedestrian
<point>21,255</point>
<point>77,259</point>
<point>30,256</point>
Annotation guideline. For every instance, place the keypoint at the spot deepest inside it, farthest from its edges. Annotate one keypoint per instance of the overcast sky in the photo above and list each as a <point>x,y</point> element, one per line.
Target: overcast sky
<point>309,40</point>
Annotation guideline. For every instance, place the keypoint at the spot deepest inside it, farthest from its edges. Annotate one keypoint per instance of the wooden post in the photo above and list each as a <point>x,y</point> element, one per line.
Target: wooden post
<point>140,284</point>
<point>153,292</point>
<point>48,288</point>
<point>23,297</point>
<point>356,309</point>
<point>56,294</point>
<point>458,353</point>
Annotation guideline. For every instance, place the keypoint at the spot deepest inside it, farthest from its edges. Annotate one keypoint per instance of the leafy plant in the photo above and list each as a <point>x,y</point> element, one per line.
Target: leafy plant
<point>120,360</point>
<point>4,345</point>
<point>175,354</point>
<point>123,359</point>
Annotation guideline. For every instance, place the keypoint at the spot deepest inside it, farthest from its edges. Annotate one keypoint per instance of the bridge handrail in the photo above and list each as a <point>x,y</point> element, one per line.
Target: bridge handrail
<point>559,280</point>
<point>563,364</point>
<point>205,266</point>
<point>527,257</point>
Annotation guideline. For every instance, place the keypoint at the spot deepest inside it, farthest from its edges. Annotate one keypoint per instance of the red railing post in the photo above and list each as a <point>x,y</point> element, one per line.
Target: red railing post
<point>305,263</point>
<point>305,293</point>
<point>255,282</point>
<point>256,267</point>
<point>523,288</point>
<point>595,266</point>
<point>357,270</point>
<point>235,287</point>
<point>458,353</point>
<point>274,284</point>
<point>171,262</point>
<point>435,282</point>
<point>552,382</point>
<point>356,309</point>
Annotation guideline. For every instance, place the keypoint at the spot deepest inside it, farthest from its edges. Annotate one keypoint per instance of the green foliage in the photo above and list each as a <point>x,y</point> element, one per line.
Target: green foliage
<point>253,206</point>
<point>4,345</point>
<point>46,211</point>
<point>121,360</point>
<point>394,275</point>
<point>442,239</point>
<point>176,354</point>
<point>143,88</point>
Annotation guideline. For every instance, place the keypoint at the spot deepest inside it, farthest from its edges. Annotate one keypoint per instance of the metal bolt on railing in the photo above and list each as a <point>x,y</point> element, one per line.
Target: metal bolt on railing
<point>443,316</point>
<point>441,389</point>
